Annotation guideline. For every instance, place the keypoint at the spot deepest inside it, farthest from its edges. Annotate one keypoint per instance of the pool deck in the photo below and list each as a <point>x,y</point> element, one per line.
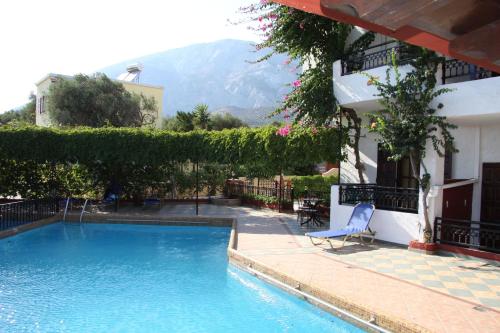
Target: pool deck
<point>418,292</point>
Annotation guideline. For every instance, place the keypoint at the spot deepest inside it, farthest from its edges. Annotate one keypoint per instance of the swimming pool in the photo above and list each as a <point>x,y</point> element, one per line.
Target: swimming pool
<point>134,278</point>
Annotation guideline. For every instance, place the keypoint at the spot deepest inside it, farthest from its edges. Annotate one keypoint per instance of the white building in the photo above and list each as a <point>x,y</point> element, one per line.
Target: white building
<point>465,185</point>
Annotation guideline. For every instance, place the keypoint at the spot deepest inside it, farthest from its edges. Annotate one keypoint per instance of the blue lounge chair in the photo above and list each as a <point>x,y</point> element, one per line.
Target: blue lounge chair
<point>357,226</point>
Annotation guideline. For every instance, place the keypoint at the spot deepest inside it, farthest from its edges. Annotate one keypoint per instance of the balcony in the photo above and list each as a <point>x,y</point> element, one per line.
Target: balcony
<point>452,70</point>
<point>376,56</point>
<point>385,198</point>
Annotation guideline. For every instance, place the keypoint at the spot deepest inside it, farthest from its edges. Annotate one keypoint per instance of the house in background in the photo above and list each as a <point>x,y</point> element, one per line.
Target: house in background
<point>129,79</point>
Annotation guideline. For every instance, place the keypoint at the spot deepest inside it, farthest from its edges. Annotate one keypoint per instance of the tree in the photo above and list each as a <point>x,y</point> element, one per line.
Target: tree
<point>201,117</point>
<point>315,42</point>
<point>96,101</point>
<point>25,115</point>
<point>407,121</point>
<point>225,121</point>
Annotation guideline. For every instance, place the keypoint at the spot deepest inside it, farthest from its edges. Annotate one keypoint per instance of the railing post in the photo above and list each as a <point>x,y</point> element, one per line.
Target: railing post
<point>434,237</point>
<point>443,72</point>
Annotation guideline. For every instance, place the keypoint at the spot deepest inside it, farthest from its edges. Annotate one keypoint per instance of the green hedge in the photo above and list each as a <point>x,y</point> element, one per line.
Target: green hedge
<point>37,162</point>
<point>154,147</point>
<point>313,183</point>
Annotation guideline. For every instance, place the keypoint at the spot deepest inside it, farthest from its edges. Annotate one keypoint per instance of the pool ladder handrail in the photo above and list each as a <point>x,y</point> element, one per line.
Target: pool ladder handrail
<point>68,200</point>
<point>83,210</point>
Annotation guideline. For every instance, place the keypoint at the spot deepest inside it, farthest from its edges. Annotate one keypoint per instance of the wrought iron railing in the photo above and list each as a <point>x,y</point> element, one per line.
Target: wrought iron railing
<point>23,212</point>
<point>242,189</point>
<point>455,70</point>
<point>376,56</point>
<point>386,198</point>
<point>471,234</point>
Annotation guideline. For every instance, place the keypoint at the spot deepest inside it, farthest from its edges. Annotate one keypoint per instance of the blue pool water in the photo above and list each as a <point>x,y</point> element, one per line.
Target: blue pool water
<point>129,278</point>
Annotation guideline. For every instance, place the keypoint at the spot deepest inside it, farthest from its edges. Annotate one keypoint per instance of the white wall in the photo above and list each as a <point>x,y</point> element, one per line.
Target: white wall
<point>352,89</point>
<point>473,99</point>
<point>42,89</point>
<point>395,227</point>
<point>368,153</point>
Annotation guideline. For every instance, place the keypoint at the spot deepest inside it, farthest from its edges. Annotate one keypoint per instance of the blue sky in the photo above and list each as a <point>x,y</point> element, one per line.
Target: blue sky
<point>72,36</point>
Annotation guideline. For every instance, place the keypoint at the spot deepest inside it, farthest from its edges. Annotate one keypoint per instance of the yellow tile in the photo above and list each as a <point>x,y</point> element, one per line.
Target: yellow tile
<point>485,294</point>
<point>400,261</point>
<point>445,273</point>
<point>470,279</point>
<point>454,285</point>
<point>422,267</point>
<point>428,277</point>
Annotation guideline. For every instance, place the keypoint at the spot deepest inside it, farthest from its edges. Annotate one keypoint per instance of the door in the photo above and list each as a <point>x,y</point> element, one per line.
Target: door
<point>490,198</point>
<point>457,202</point>
<point>387,171</point>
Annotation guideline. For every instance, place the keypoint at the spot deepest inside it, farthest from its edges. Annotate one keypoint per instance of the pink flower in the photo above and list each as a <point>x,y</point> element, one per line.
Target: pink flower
<point>284,131</point>
<point>286,97</point>
<point>301,25</point>
<point>297,83</point>
<point>260,18</point>
<point>273,16</point>
<point>287,61</point>
<point>264,2</point>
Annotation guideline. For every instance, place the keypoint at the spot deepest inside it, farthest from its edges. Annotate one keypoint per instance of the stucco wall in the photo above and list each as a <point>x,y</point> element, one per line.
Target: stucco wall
<point>368,154</point>
<point>42,89</point>
<point>148,91</point>
<point>473,99</point>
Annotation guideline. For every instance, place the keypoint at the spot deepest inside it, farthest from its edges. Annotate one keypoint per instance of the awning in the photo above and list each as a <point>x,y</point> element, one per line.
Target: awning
<point>468,30</point>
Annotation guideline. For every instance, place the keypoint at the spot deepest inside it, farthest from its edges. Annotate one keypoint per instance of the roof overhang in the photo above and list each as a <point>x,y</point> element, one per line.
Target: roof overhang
<point>464,29</point>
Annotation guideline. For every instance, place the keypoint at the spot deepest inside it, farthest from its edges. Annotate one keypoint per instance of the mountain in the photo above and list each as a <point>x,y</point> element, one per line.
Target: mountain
<point>251,116</point>
<point>218,74</point>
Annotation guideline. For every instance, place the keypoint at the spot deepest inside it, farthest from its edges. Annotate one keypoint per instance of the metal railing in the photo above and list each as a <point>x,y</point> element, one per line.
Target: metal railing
<point>385,198</point>
<point>376,56</point>
<point>242,189</point>
<point>470,234</point>
<point>455,70</point>
<point>23,212</point>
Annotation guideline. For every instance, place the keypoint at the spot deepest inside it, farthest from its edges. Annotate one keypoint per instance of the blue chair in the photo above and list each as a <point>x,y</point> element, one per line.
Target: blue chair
<point>356,227</point>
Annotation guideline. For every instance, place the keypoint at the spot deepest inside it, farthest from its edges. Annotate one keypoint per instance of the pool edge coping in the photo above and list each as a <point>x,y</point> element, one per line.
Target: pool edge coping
<point>359,315</point>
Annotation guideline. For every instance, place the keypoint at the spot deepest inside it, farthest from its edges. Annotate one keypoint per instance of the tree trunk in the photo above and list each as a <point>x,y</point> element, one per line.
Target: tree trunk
<point>425,186</point>
<point>355,123</point>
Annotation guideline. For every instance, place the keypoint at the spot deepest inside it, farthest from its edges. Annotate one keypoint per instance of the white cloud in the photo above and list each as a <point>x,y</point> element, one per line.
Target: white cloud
<point>68,37</point>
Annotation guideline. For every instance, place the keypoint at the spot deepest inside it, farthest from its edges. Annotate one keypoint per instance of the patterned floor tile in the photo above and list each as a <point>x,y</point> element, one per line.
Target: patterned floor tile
<point>460,292</point>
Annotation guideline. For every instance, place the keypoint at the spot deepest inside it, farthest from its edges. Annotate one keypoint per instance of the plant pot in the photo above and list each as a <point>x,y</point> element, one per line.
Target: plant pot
<point>427,248</point>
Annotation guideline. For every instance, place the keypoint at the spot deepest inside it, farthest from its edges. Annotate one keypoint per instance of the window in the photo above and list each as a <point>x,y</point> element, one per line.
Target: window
<point>41,105</point>
<point>394,174</point>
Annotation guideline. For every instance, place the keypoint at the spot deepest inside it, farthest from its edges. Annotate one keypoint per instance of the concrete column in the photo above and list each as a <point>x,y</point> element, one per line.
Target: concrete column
<point>435,167</point>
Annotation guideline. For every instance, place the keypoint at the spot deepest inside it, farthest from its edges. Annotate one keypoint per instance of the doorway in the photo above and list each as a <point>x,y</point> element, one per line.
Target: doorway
<point>490,197</point>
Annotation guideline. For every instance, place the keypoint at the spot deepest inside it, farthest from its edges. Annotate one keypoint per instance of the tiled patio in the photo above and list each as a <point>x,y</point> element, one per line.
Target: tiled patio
<point>439,293</point>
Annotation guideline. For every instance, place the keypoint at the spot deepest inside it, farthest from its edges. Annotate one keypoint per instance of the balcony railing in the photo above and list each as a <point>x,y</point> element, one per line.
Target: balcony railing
<point>453,70</point>
<point>385,198</point>
<point>470,234</point>
<point>23,212</point>
<point>376,56</point>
